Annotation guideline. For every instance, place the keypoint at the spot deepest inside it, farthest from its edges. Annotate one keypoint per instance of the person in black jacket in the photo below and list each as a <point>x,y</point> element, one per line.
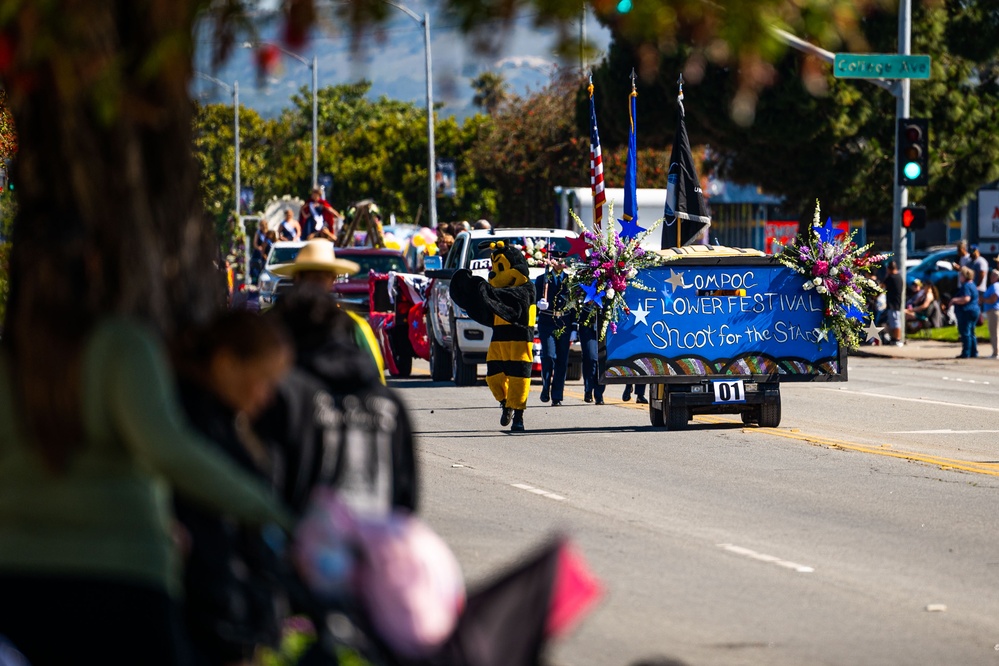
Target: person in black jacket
<point>333,423</point>
<point>227,373</point>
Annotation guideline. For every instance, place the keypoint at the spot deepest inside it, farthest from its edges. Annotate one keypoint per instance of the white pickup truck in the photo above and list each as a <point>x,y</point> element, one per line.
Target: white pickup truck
<point>457,343</point>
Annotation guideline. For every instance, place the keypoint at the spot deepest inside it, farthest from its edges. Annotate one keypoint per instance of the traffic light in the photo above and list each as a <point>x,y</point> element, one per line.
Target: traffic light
<point>914,217</point>
<point>913,151</point>
<point>624,6</point>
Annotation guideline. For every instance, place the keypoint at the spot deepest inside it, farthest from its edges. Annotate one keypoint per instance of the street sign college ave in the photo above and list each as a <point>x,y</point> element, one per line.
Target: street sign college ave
<point>881,66</point>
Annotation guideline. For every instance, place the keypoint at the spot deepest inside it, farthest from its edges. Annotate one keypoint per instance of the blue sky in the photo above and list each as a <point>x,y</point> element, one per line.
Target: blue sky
<point>395,66</point>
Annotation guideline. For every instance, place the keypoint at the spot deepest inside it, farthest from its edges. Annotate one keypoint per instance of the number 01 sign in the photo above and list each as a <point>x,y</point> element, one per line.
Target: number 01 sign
<point>729,390</point>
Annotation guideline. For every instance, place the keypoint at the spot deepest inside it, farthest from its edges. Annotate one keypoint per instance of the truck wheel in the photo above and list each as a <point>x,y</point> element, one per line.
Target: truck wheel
<point>770,413</point>
<point>574,372</point>
<point>751,415</point>
<point>440,360</point>
<point>677,416</point>
<point>465,374</point>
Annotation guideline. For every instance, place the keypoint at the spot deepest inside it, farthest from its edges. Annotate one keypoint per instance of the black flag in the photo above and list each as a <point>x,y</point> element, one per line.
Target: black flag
<point>685,214</point>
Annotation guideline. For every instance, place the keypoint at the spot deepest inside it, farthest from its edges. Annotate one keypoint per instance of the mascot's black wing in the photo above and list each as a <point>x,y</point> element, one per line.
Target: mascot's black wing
<point>464,290</point>
<point>509,303</point>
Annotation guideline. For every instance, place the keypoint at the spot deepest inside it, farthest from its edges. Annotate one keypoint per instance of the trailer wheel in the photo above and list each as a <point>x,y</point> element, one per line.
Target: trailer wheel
<point>574,372</point>
<point>770,413</point>
<point>656,415</point>
<point>676,416</point>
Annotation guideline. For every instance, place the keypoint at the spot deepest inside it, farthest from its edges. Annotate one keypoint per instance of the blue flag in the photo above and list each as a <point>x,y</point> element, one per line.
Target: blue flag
<point>631,167</point>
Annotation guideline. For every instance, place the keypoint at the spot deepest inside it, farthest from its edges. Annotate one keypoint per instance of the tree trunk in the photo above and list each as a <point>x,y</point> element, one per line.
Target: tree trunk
<point>106,177</point>
<point>109,218</point>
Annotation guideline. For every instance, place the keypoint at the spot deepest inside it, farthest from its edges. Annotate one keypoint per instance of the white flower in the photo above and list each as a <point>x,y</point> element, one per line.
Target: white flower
<point>632,272</point>
<point>830,250</point>
<point>807,286</point>
<point>822,289</point>
<point>817,281</point>
<point>834,271</point>
<point>609,293</point>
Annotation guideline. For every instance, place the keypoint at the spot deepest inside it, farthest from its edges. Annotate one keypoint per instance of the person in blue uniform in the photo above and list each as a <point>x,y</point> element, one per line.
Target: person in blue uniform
<point>639,390</point>
<point>556,329</point>
<point>593,390</point>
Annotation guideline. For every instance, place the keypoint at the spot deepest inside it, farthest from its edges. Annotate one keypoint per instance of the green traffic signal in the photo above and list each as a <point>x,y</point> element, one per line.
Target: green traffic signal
<point>912,170</point>
<point>624,6</point>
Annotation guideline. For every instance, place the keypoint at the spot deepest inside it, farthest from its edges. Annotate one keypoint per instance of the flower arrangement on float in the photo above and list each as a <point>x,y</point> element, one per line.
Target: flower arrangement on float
<point>839,271</point>
<point>607,266</point>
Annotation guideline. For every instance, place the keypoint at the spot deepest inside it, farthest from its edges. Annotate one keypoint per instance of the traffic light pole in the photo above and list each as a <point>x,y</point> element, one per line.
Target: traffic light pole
<point>900,89</point>
<point>900,240</point>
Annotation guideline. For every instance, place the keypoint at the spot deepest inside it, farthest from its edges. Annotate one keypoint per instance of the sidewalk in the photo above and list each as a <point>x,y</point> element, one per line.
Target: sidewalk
<point>924,350</point>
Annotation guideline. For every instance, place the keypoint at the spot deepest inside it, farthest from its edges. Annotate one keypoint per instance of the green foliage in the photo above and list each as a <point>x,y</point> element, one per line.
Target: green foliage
<point>373,148</point>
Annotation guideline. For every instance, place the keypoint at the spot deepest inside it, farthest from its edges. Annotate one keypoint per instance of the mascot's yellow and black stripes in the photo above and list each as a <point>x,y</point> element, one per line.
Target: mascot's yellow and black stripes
<point>505,303</point>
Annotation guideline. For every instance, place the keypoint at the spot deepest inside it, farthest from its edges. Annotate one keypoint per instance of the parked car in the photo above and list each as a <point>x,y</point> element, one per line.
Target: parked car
<point>282,252</point>
<point>352,291</point>
<point>457,342</point>
<point>937,268</point>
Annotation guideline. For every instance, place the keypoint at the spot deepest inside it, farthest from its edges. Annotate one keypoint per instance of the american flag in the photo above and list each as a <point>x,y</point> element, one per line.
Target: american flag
<point>596,166</point>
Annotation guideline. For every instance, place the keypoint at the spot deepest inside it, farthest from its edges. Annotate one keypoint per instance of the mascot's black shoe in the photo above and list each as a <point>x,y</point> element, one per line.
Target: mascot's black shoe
<point>518,421</point>
<point>545,396</point>
<point>588,397</point>
<point>507,414</point>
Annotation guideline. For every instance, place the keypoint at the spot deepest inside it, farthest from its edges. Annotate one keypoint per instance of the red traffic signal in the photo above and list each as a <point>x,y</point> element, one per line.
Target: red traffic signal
<point>914,217</point>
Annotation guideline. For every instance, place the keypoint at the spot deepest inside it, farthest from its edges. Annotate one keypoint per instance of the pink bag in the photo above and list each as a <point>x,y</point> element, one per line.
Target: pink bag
<point>404,575</point>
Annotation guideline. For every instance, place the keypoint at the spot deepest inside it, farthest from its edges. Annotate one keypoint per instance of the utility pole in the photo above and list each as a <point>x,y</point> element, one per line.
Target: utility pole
<point>899,236</point>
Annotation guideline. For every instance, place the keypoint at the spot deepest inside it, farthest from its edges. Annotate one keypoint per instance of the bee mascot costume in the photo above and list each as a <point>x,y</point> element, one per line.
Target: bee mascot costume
<point>506,304</point>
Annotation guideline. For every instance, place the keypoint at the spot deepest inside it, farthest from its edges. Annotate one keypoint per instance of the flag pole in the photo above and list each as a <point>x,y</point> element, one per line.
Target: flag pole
<point>596,204</point>
<point>679,100</point>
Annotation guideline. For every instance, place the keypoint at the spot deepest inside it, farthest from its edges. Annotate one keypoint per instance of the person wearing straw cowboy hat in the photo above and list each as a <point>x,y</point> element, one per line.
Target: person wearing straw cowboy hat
<point>318,265</point>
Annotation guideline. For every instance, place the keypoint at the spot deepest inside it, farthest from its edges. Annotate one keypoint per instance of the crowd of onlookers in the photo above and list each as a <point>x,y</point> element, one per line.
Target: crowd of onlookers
<point>975,302</point>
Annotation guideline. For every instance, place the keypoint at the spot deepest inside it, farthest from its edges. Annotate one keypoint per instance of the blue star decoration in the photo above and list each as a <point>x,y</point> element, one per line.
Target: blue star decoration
<point>827,232</point>
<point>855,313</point>
<point>591,292</point>
<point>667,297</point>
<point>630,228</point>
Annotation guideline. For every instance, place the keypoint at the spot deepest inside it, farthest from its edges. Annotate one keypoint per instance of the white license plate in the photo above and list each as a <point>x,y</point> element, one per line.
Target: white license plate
<point>728,390</point>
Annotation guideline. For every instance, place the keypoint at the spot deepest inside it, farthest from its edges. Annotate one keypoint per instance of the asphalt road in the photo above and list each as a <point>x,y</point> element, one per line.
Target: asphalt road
<point>861,531</point>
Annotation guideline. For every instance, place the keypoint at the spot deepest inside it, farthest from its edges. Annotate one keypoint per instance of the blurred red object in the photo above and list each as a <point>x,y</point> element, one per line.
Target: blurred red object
<point>268,57</point>
<point>575,591</point>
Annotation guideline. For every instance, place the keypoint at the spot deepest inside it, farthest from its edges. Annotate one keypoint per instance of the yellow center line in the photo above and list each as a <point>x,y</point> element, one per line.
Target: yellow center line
<point>990,469</point>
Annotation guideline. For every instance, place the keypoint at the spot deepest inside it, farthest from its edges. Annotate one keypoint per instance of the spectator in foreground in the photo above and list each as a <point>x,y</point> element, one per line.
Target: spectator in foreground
<point>317,264</point>
<point>228,373</point>
<point>334,423</point>
<point>96,575</point>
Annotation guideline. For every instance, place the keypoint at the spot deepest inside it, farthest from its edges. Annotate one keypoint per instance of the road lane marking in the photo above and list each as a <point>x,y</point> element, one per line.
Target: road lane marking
<point>925,401</point>
<point>938,432</point>
<point>538,491</point>
<point>964,381</point>
<point>762,557</point>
